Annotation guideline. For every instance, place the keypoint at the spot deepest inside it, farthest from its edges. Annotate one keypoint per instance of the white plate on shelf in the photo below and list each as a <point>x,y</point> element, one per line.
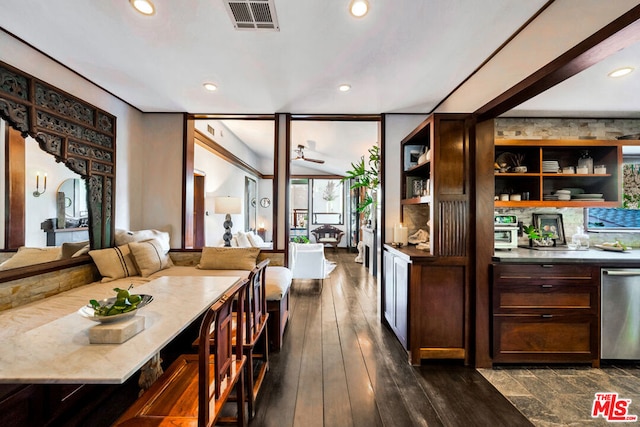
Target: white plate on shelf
<point>587,196</point>
<point>611,248</point>
<point>574,191</point>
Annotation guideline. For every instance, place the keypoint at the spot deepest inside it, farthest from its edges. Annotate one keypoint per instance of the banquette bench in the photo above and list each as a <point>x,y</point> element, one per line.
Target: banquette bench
<point>40,300</point>
<point>84,279</point>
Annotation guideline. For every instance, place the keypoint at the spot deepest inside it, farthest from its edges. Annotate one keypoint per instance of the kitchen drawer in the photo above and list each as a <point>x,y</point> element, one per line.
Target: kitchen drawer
<point>543,273</point>
<point>545,338</point>
<point>544,296</point>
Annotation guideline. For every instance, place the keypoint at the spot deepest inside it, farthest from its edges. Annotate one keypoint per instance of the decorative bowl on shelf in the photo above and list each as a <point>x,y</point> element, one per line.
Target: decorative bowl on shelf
<point>89,312</point>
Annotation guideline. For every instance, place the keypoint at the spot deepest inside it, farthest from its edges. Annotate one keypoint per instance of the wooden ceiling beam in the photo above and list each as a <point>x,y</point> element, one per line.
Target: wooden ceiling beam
<point>622,32</point>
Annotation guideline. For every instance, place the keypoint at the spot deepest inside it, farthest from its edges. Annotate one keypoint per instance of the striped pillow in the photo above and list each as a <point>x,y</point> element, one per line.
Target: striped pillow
<point>149,256</point>
<point>114,263</point>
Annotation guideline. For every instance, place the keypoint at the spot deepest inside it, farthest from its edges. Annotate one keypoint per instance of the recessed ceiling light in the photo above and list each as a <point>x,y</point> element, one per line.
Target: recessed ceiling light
<point>359,8</point>
<point>143,6</point>
<point>210,86</point>
<point>620,72</point>
<point>344,88</point>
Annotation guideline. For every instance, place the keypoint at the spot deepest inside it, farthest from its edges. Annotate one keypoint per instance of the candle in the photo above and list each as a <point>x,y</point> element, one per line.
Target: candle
<point>37,180</point>
<point>400,234</point>
<point>45,182</point>
<point>403,235</point>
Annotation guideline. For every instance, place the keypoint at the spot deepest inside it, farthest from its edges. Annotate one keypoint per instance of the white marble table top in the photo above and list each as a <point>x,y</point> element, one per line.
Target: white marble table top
<point>59,351</point>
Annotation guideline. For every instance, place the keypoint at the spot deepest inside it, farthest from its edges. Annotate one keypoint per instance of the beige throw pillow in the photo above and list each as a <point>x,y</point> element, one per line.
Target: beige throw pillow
<point>243,240</point>
<point>228,258</point>
<point>149,256</point>
<point>114,263</point>
<point>256,241</point>
<point>30,256</point>
<point>69,249</point>
<point>123,237</point>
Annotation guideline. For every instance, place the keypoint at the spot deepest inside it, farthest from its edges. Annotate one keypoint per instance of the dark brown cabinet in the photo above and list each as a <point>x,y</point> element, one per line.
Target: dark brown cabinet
<point>426,293</point>
<point>546,313</point>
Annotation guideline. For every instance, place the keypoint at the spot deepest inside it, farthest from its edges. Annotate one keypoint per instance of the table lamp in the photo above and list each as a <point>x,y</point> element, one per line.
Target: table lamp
<point>228,206</point>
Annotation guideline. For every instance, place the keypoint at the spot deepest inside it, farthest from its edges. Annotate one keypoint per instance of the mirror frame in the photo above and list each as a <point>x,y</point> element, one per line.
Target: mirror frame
<point>188,143</point>
<point>78,134</point>
<point>251,204</point>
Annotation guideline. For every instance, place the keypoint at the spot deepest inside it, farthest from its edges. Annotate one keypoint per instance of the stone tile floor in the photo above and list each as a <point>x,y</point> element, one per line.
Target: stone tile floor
<point>563,395</point>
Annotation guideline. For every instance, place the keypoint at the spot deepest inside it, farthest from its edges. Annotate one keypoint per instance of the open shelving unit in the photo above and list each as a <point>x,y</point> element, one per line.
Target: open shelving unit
<point>538,183</point>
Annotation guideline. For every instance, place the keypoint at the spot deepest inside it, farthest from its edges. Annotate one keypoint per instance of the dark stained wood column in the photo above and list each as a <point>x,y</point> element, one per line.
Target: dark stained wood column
<point>14,217</point>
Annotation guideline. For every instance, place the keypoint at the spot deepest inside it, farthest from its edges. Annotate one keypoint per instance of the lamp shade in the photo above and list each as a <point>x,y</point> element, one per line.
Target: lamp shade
<point>228,205</point>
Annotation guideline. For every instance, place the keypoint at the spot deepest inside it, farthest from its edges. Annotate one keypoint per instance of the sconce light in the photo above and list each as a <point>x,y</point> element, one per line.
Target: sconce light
<point>228,206</point>
<point>37,193</point>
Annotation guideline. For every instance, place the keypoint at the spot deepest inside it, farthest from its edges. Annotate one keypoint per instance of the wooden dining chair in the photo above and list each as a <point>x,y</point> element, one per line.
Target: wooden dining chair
<point>256,341</point>
<point>195,387</point>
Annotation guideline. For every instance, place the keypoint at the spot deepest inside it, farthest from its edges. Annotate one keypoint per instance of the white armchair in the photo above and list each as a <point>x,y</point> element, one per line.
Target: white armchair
<point>307,261</point>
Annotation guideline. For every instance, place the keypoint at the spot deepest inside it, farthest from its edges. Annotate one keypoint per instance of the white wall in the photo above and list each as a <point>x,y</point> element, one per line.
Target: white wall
<point>221,179</point>
<point>148,146</point>
<point>155,173</point>
<point>38,209</point>
<point>231,142</point>
<point>397,127</point>
<point>265,215</point>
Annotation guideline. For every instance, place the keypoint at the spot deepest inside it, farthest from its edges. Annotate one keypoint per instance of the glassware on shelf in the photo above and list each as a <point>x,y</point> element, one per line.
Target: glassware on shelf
<point>417,188</point>
<point>580,240</point>
<point>586,160</point>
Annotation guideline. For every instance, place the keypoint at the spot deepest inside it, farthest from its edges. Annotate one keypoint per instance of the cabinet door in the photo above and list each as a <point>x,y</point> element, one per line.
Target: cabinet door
<point>545,338</point>
<point>402,299</point>
<point>389,289</point>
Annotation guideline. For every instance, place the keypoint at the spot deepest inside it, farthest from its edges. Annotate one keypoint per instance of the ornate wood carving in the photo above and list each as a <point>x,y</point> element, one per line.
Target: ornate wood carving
<point>453,228</point>
<point>76,133</point>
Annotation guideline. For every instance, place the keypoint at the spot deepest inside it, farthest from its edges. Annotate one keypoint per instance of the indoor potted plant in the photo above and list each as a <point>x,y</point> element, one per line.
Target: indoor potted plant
<point>365,175</point>
<point>539,238</point>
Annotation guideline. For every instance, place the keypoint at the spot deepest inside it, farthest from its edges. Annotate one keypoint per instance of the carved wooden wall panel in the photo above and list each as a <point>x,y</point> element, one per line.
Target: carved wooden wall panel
<point>76,133</point>
<point>454,231</point>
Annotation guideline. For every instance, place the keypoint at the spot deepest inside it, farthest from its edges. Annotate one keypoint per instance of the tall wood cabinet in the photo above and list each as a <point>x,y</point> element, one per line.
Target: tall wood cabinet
<point>428,292</point>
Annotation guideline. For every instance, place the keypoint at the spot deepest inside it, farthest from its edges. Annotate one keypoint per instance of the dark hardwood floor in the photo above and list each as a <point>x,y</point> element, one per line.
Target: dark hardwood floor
<point>339,366</point>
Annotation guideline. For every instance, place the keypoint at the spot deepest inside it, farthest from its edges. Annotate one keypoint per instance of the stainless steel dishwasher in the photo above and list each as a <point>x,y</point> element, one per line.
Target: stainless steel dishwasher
<point>620,314</point>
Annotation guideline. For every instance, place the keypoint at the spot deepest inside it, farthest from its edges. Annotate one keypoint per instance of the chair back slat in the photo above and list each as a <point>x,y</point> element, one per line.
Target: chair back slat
<point>256,300</point>
<point>220,316</point>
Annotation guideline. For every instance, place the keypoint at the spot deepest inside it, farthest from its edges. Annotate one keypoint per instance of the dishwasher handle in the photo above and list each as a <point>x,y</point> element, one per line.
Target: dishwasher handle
<point>621,272</point>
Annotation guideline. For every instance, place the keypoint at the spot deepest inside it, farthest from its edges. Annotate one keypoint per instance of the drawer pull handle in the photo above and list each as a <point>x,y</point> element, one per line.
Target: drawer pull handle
<point>547,316</point>
<point>546,286</point>
<point>547,265</point>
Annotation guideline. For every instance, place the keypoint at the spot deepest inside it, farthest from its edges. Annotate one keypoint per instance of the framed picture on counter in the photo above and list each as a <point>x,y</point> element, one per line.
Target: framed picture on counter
<point>550,223</point>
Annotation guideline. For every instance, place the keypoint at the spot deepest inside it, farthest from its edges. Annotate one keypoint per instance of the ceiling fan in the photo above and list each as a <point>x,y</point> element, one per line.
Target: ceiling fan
<point>300,155</point>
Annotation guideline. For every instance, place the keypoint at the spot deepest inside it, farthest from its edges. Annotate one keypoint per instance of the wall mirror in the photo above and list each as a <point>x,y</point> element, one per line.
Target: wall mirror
<point>236,156</point>
<point>73,193</point>
<point>77,135</point>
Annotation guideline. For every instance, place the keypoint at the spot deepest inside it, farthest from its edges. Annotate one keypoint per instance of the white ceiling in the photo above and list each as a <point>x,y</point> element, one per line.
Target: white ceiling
<point>404,56</point>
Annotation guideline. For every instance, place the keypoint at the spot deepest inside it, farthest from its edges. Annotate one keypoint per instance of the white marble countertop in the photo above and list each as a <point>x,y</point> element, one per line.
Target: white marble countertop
<point>59,351</point>
<point>592,256</point>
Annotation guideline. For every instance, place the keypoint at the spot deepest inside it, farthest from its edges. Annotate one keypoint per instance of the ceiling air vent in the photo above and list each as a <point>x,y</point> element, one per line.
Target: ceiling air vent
<point>252,14</point>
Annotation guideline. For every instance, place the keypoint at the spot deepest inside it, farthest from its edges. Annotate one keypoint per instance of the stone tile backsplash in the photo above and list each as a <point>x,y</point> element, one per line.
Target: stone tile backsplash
<point>540,128</point>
